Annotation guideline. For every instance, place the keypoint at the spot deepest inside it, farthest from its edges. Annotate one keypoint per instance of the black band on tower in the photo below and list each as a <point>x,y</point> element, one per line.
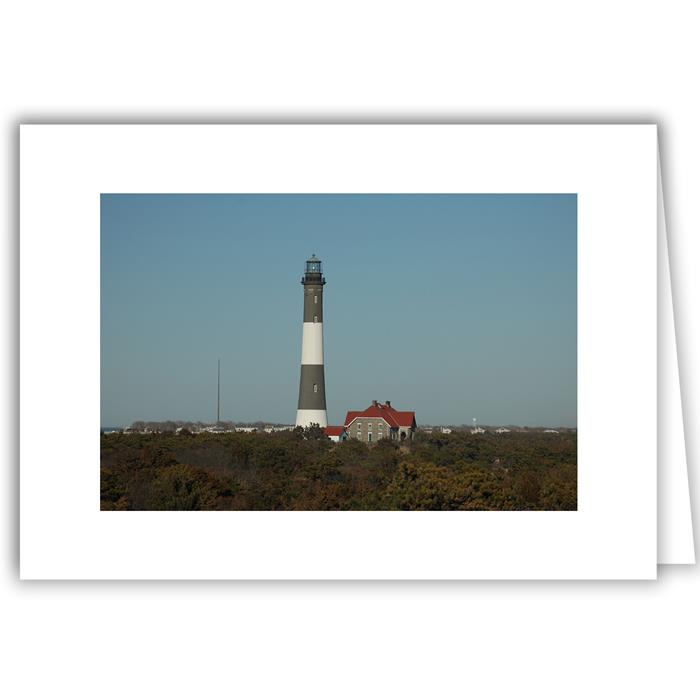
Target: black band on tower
<point>312,387</point>
<point>313,303</point>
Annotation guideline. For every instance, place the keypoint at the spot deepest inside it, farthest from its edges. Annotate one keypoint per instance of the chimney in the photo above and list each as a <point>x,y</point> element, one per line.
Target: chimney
<point>388,403</point>
<point>374,402</point>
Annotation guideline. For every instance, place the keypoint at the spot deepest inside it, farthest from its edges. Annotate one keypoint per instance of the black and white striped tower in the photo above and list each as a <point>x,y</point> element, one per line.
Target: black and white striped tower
<point>312,386</point>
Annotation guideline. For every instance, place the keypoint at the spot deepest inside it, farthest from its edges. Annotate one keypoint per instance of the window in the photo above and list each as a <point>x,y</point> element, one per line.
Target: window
<point>369,426</point>
<point>315,388</point>
<point>315,319</point>
<point>369,437</point>
<point>359,426</point>
<point>315,299</point>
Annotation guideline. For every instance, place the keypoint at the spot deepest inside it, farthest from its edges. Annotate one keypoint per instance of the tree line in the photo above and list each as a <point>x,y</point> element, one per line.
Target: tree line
<point>304,470</point>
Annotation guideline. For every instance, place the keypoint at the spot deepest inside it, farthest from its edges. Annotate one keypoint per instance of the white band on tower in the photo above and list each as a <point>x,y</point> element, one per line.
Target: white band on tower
<point>312,344</point>
<point>307,416</point>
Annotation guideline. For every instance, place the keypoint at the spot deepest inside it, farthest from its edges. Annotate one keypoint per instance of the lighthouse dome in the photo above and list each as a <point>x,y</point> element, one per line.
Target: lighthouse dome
<point>313,264</point>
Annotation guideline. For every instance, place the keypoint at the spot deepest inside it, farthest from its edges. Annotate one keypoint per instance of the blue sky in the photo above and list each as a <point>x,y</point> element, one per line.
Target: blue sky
<point>455,306</point>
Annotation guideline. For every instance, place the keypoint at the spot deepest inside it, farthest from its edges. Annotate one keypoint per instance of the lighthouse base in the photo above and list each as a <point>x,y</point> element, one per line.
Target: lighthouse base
<point>307,416</point>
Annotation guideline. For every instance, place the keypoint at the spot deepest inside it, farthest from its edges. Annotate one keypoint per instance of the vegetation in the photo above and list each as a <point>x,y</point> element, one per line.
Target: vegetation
<point>304,470</point>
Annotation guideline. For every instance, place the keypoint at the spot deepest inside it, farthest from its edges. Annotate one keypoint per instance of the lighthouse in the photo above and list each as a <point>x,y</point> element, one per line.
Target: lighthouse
<point>312,385</point>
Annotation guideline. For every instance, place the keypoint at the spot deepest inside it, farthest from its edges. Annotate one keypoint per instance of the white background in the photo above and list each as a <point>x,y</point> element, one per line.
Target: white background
<point>511,61</point>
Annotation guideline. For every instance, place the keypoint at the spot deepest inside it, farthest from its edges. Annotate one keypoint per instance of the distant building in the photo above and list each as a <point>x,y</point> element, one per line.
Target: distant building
<point>502,430</point>
<point>217,429</point>
<point>380,420</point>
<point>336,433</point>
<point>446,431</point>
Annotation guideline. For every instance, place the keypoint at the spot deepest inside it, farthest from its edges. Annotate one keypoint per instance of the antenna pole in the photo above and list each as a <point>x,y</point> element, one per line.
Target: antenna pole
<point>218,391</point>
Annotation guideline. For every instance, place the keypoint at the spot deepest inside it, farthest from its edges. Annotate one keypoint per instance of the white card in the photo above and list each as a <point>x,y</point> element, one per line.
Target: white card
<point>612,171</point>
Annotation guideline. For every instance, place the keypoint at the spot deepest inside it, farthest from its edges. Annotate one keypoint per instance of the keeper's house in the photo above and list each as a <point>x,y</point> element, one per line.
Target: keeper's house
<point>380,420</point>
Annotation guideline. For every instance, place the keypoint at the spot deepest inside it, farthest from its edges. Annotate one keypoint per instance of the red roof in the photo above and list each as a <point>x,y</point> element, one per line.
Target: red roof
<point>333,430</point>
<point>393,417</point>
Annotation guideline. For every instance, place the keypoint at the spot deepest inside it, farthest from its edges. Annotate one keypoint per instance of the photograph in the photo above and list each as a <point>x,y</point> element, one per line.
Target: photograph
<point>338,352</point>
